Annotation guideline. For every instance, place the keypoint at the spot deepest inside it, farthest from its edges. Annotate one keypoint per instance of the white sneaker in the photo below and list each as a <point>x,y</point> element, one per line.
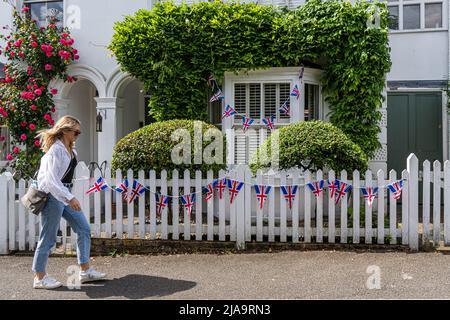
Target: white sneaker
<point>91,275</point>
<point>46,283</point>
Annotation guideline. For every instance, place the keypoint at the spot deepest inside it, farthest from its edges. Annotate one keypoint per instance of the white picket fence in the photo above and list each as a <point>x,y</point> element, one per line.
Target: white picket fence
<point>311,220</point>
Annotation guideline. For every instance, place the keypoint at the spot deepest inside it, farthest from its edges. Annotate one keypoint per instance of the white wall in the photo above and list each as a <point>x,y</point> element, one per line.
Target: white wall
<point>419,56</point>
<point>5,19</point>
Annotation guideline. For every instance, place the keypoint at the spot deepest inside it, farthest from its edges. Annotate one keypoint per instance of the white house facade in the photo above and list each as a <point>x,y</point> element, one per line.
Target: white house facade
<point>419,42</point>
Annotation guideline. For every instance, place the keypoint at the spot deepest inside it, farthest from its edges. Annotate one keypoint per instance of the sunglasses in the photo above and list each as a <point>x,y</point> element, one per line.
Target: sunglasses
<point>76,132</point>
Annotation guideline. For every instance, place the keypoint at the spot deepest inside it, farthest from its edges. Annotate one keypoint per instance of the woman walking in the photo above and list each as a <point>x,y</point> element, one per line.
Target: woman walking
<point>55,177</point>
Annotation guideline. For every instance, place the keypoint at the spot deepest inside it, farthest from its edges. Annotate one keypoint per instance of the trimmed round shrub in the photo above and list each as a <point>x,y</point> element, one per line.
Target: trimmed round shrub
<point>313,145</point>
<point>151,148</point>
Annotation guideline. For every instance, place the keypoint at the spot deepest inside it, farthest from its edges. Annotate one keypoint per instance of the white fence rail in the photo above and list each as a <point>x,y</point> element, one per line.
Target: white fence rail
<point>311,219</point>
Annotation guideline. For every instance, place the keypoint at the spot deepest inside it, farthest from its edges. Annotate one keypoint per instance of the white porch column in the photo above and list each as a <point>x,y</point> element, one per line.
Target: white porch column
<point>61,106</point>
<point>108,108</point>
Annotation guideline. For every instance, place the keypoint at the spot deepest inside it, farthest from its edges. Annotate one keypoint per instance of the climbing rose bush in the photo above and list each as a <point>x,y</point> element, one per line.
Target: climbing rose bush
<point>36,56</point>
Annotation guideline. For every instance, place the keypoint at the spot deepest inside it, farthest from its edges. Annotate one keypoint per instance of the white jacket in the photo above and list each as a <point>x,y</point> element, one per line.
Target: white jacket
<point>53,166</point>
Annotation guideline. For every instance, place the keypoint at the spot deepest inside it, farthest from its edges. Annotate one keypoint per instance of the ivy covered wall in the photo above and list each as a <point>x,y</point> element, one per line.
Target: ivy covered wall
<point>173,49</point>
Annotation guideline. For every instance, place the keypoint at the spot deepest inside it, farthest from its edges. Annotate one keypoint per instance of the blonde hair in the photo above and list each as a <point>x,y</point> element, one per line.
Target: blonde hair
<point>47,137</point>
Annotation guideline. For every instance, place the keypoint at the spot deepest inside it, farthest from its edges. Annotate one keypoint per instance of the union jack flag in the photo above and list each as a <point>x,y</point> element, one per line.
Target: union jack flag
<point>209,189</point>
<point>137,190</point>
<point>316,187</point>
<point>188,201</point>
<point>221,185</point>
<point>234,187</point>
<point>161,202</point>
<point>332,187</point>
<point>217,96</point>
<point>123,189</point>
<point>342,191</point>
<point>370,194</point>
<point>98,186</point>
<point>285,107</point>
<point>261,194</point>
<point>289,193</point>
<point>228,112</point>
<point>396,188</point>
<point>269,122</point>
<point>295,92</point>
<point>246,122</point>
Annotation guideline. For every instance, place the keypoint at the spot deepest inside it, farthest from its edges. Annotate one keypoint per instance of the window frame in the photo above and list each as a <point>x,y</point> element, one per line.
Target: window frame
<point>28,2</point>
<point>402,3</point>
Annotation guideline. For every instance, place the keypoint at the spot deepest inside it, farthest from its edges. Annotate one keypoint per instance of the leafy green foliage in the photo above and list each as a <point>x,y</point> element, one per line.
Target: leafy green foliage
<point>318,144</point>
<point>150,148</point>
<point>173,49</point>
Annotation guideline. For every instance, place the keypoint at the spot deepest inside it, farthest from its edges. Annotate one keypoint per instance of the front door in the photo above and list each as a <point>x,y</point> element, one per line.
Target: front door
<point>414,126</point>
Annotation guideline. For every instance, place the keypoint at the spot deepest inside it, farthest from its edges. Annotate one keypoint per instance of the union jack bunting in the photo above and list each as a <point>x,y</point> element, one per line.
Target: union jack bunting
<point>217,96</point>
<point>246,122</point>
<point>269,122</point>
<point>332,187</point>
<point>188,201</point>
<point>295,92</point>
<point>289,193</point>
<point>228,112</point>
<point>316,187</point>
<point>261,194</point>
<point>161,202</point>
<point>221,185</point>
<point>98,186</point>
<point>137,190</point>
<point>123,189</point>
<point>396,188</point>
<point>209,189</point>
<point>369,194</point>
<point>234,187</point>
<point>342,191</point>
<point>284,107</point>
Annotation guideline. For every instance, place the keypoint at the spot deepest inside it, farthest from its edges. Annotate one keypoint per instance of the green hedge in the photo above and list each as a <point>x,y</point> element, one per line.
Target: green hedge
<point>321,143</point>
<point>150,148</point>
<point>173,49</point>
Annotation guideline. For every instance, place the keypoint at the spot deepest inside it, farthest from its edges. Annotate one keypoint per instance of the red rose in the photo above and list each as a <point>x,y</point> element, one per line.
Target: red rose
<point>47,117</point>
<point>63,42</point>
<point>48,67</point>
<point>12,53</point>
<point>76,57</point>
<point>54,91</point>
<point>44,47</point>
<point>33,107</point>
<point>34,44</point>
<point>9,157</point>
<point>21,54</point>
<point>38,92</point>
<point>25,9</point>
<point>23,137</point>
<point>75,51</point>
<point>23,123</point>
<point>16,150</point>
<point>49,54</point>
<point>65,35</point>
<point>37,143</point>
<point>32,126</point>
<point>53,110</point>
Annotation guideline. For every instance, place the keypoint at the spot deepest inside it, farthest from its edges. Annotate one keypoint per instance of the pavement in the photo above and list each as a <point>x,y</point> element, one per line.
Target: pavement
<point>279,275</point>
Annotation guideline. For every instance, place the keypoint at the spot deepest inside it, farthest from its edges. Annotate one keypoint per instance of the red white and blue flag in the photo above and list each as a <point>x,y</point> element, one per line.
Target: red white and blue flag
<point>289,193</point>
<point>99,185</point>
<point>123,189</point>
<point>332,187</point>
<point>209,189</point>
<point>188,201</point>
<point>316,187</point>
<point>228,112</point>
<point>221,185</point>
<point>269,122</point>
<point>261,194</point>
<point>161,202</point>
<point>234,187</point>
<point>285,107</point>
<point>342,190</point>
<point>137,190</point>
<point>246,122</point>
<point>217,96</point>
<point>396,188</point>
<point>369,194</point>
<point>295,92</point>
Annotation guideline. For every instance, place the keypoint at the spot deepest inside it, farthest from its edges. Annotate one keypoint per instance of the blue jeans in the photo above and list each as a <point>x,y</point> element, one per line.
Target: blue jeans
<point>51,217</point>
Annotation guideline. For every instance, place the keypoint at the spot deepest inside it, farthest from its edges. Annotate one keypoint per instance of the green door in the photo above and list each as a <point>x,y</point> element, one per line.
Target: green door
<point>414,126</point>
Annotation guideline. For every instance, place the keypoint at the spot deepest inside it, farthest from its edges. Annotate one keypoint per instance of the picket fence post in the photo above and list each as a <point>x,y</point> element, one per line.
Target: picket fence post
<point>3,214</point>
<point>413,219</point>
